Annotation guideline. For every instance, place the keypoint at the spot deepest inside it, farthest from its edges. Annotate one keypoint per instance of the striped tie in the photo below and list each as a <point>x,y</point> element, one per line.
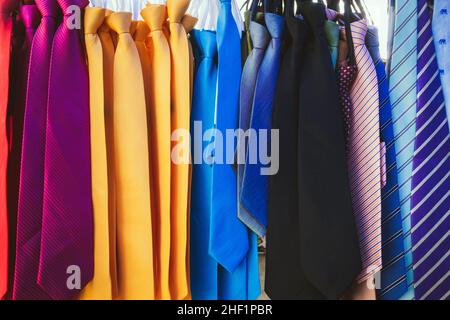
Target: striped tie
<point>403,96</point>
<point>364,155</point>
<point>430,202</point>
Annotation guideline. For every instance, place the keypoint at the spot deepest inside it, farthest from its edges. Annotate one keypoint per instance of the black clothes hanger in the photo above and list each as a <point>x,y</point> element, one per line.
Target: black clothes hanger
<point>273,6</point>
<point>256,5</point>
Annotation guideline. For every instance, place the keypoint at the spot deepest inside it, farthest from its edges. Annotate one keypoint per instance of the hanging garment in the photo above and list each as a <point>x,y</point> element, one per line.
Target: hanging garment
<point>134,224</point>
<point>364,158</point>
<point>100,287</point>
<point>159,137</point>
<point>331,29</point>
<point>430,202</point>
<point>6,24</point>
<point>67,230</point>
<point>255,183</point>
<point>329,253</point>
<point>29,215</point>
<point>179,49</point>
<point>26,27</point>
<point>204,268</point>
<point>260,38</point>
<point>393,275</point>
<point>283,262</point>
<point>402,86</point>
<point>104,34</point>
<point>441,36</point>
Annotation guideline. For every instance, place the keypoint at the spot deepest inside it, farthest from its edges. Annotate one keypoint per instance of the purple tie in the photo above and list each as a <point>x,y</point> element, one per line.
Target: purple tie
<point>29,20</point>
<point>66,260</point>
<point>32,165</point>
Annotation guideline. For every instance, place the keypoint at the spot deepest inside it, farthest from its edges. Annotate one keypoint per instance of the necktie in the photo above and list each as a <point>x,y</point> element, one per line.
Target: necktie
<point>331,29</point>
<point>260,39</point>
<point>441,36</point>
<point>180,90</point>
<point>203,267</point>
<point>108,87</point>
<point>67,230</point>
<point>134,225</point>
<point>228,235</point>
<point>364,157</point>
<point>100,286</point>
<point>393,274</point>
<point>254,193</point>
<point>30,18</point>
<point>159,117</point>
<point>6,8</point>
<point>402,86</point>
<point>430,202</point>
<point>29,219</point>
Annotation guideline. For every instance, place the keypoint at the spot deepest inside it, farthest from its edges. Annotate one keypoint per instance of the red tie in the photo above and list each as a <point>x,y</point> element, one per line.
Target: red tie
<point>6,8</point>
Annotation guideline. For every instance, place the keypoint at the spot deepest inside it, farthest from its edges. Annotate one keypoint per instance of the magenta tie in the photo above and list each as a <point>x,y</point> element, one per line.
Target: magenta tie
<point>32,165</point>
<point>66,259</point>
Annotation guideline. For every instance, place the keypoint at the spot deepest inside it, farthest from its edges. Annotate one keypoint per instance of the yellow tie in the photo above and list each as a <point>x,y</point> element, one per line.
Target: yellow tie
<point>180,92</point>
<point>159,132</point>
<point>134,227</point>
<point>100,285</point>
<point>108,85</point>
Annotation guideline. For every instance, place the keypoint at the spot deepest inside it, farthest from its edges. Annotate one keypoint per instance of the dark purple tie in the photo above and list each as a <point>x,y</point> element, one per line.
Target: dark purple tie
<point>26,27</point>
<point>32,164</point>
<point>66,260</point>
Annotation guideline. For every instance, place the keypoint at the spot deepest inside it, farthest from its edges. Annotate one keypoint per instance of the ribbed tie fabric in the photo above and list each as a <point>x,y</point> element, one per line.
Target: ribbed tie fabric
<point>441,36</point>
<point>100,286</point>
<point>364,158</point>
<point>255,185</point>
<point>180,91</point>
<point>393,275</point>
<point>402,86</point>
<point>67,230</point>
<point>6,23</point>
<point>204,268</point>
<point>155,16</point>
<point>260,40</point>
<point>228,235</point>
<point>29,219</point>
<point>134,224</point>
<point>430,202</point>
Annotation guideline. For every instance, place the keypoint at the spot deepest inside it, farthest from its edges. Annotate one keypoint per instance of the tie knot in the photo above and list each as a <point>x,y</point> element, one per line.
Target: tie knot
<point>30,16</point>
<point>275,25</point>
<point>155,16</point>
<point>359,32</point>
<point>48,8</point>
<point>176,10</point>
<point>8,6</point>
<point>259,34</point>
<point>104,27</point>
<point>93,19</point>
<point>120,22</point>
<point>139,31</point>
<point>188,22</point>
<point>372,37</point>
<point>206,43</point>
<point>68,4</point>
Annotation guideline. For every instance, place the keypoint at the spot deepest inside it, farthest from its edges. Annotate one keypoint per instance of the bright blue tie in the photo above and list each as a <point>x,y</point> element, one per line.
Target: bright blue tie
<point>393,275</point>
<point>402,86</point>
<point>203,266</point>
<point>254,193</point>
<point>229,241</point>
<point>430,204</point>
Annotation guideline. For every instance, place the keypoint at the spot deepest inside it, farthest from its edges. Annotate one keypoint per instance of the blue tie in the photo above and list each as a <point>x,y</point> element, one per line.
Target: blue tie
<point>254,193</point>
<point>402,86</point>
<point>229,241</point>
<point>393,274</point>
<point>203,266</point>
<point>430,202</point>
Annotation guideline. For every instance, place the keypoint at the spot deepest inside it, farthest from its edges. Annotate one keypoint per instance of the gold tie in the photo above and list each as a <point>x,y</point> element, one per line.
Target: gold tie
<point>159,132</point>
<point>134,227</point>
<point>100,285</point>
<point>108,85</point>
<point>180,91</point>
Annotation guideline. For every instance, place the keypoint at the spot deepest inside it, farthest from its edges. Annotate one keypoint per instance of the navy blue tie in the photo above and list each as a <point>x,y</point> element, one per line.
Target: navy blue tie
<point>254,193</point>
<point>430,201</point>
